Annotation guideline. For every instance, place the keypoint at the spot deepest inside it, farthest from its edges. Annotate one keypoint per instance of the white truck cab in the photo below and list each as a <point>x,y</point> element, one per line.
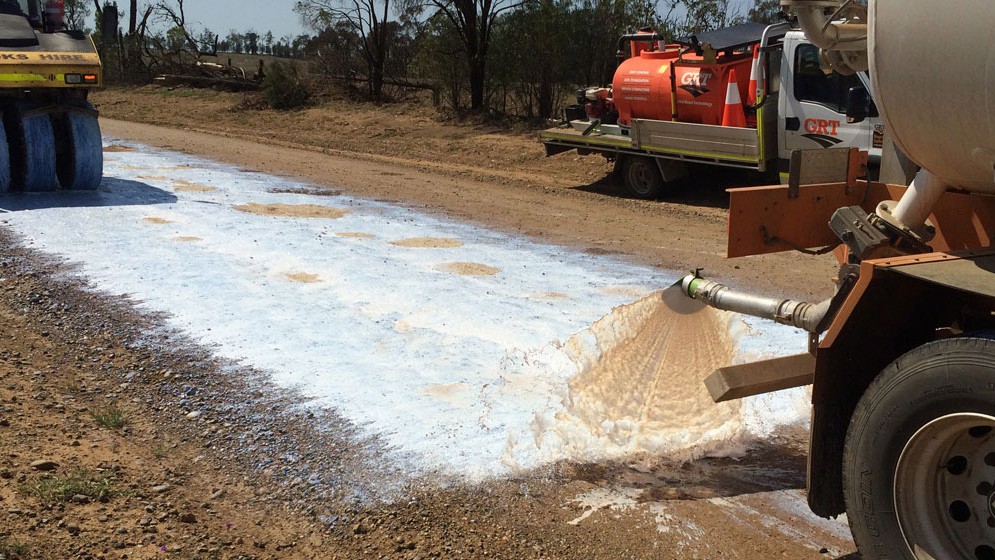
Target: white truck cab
<point>812,105</point>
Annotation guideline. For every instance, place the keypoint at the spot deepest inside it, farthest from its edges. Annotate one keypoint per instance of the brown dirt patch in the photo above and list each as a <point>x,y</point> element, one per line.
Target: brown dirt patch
<point>293,210</point>
<point>180,185</point>
<point>428,243</point>
<point>187,239</point>
<point>115,148</point>
<point>355,235</point>
<point>156,220</point>
<point>468,269</point>
<point>303,278</point>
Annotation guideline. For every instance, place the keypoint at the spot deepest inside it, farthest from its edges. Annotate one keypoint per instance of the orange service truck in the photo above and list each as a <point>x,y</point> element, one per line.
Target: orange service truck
<point>747,96</point>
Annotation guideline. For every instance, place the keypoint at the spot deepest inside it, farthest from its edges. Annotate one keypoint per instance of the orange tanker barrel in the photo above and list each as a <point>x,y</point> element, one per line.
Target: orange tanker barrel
<point>643,86</point>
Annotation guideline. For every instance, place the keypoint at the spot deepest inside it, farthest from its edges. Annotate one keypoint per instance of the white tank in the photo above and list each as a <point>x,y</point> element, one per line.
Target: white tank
<point>933,71</point>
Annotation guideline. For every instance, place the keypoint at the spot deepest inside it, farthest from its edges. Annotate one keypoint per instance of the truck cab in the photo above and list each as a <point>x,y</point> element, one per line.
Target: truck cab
<point>813,104</point>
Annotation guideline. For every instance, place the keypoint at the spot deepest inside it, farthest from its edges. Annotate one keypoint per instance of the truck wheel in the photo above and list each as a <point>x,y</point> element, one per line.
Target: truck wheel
<point>80,158</point>
<point>919,460</point>
<point>642,177</point>
<point>32,149</point>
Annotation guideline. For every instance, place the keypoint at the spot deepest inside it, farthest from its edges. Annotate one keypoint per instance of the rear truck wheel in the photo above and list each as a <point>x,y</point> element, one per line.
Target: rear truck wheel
<point>919,461</point>
<point>32,149</point>
<point>79,153</point>
<point>642,177</point>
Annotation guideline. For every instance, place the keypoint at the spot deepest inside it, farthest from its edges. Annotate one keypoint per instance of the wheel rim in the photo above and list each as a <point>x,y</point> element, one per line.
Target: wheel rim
<point>945,489</point>
<point>641,178</point>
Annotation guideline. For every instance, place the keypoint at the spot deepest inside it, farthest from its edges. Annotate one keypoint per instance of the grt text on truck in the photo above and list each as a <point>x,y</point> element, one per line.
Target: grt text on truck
<point>746,97</point>
<point>902,358</point>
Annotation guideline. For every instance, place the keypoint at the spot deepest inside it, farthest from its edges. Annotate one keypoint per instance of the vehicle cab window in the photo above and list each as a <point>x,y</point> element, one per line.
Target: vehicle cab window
<point>812,84</point>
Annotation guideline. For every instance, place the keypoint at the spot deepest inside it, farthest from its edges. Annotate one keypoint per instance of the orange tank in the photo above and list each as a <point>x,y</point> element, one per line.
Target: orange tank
<point>642,88</point>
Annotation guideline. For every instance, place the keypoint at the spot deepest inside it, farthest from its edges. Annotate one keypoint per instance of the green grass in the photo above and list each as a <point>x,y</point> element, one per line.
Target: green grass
<point>109,417</point>
<point>62,489</point>
<point>73,387</point>
<point>12,550</point>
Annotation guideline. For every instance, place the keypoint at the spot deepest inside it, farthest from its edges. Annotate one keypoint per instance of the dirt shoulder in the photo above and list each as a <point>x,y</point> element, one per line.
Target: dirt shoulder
<point>498,179</point>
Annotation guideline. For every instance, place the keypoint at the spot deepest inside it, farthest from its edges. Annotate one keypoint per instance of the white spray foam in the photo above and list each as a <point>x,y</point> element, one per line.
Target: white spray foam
<point>464,375</point>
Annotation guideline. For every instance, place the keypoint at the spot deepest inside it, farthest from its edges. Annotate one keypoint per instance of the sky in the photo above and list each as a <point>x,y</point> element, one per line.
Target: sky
<point>221,16</point>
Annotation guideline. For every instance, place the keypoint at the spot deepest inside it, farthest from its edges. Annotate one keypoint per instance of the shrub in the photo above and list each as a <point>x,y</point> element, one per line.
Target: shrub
<point>284,87</point>
<point>109,417</point>
<point>62,489</point>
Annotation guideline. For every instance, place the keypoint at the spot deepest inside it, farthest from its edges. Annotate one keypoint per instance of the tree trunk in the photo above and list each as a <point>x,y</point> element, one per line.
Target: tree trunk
<point>133,15</point>
<point>477,76</point>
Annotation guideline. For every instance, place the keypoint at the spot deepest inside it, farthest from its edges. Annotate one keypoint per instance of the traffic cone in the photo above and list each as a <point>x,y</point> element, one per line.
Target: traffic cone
<point>755,90</point>
<point>733,114</point>
<point>754,93</point>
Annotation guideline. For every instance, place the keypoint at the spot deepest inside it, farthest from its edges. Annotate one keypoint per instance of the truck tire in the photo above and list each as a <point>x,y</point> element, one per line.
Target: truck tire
<point>642,177</point>
<point>32,149</point>
<point>919,460</point>
<point>80,158</point>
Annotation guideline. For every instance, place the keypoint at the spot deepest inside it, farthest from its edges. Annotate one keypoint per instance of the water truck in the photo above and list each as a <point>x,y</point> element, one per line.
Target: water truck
<point>902,358</point>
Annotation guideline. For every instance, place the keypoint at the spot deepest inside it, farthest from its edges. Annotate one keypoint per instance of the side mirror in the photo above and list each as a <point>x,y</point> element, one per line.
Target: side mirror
<point>858,105</point>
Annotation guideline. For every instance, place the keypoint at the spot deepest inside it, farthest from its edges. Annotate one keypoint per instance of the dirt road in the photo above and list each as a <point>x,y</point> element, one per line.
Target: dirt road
<point>670,235</point>
<point>76,484</point>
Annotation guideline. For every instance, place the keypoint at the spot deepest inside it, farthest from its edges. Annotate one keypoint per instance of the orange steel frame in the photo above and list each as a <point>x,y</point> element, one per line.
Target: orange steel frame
<point>867,324</point>
<point>759,214</point>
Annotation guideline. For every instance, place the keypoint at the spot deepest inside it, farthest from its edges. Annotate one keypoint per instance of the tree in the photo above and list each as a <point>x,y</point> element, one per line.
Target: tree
<point>474,21</point>
<point>595,27</point>
<point>535,83</point>
<point>369,19</point>
<point>76,13</point>
<point>235,42</point>
<point>172,12</point>
<point>252,42</point>
<point>440,57</point>
<point>765,11</point>
<point>268,43</point>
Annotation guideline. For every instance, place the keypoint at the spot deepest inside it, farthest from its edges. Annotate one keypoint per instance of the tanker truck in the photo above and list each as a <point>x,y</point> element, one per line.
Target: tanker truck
<point>748,97</point>
<point>902,358</point>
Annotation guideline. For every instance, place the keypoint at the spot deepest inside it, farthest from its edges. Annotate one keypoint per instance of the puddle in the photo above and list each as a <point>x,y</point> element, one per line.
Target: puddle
<point>293,210</point>
<point>428,243</point>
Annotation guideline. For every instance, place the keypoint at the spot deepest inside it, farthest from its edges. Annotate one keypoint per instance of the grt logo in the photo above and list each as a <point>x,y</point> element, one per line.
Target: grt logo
<point>699,79</point>
<point>821,126</point>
